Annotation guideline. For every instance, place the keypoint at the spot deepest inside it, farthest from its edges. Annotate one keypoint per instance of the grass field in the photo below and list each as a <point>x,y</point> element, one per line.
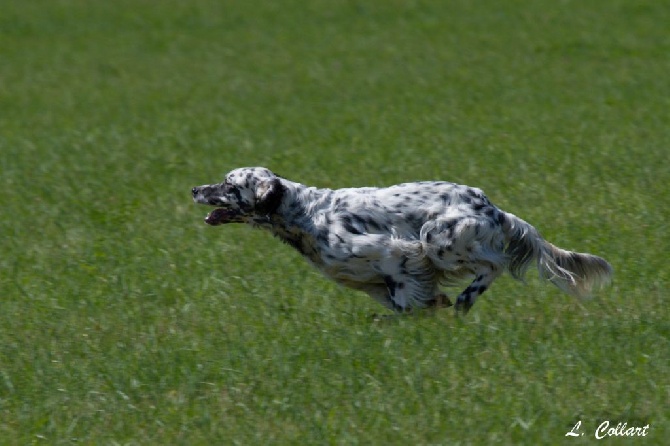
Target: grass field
<point>125,320</point>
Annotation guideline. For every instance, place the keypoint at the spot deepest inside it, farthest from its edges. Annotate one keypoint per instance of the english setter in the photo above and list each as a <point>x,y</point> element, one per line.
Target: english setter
<point>399,244</point>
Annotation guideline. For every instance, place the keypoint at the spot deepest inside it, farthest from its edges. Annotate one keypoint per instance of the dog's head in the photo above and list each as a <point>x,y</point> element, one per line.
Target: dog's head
<point>245,194</point>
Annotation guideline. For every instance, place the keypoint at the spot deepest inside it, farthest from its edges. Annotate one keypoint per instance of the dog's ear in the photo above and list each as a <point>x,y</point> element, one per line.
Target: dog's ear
<point>268,196</point>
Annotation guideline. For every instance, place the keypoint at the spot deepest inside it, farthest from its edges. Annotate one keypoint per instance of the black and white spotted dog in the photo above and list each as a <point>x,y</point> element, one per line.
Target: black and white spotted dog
<point>399,244</point>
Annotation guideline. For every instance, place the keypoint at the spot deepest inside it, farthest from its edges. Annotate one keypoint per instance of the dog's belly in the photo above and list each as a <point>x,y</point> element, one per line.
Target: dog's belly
<point>371,260</point>
<point>355,270</point>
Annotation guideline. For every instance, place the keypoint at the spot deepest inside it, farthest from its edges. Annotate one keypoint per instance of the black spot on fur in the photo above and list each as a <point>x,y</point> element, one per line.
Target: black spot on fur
<point>364,222</point>
<point>414,219</point>
<point>375,225</point>
<point>271,200</point>
<point>349,226</point>
<point>403,265</point>
<point>322,238</point>
<point>391,285</point>
<point>238,195</point>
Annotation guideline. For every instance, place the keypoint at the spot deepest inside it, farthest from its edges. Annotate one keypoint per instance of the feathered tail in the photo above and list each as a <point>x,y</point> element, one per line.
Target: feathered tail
<point>578,274</point>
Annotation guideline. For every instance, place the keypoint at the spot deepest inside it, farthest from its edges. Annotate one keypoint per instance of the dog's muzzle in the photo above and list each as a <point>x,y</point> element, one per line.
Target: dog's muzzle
<point>200,193</point>
<point>222,214</point>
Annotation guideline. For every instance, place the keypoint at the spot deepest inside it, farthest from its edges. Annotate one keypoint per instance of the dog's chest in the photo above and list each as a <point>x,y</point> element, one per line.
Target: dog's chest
<point>302,241</point>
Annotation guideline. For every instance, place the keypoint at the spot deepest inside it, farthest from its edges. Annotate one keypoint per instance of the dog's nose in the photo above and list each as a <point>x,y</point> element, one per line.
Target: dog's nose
<point>194,191</point>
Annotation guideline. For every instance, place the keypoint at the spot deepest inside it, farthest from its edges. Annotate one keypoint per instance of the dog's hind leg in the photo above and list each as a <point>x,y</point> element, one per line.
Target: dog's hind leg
<point>485,276</point>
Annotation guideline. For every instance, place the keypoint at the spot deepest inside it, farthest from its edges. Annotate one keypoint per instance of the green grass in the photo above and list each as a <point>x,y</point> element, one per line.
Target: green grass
<point>125,320</point>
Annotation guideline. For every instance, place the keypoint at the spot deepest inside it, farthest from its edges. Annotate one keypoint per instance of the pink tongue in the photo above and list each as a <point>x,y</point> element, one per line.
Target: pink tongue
<point>217,216</point>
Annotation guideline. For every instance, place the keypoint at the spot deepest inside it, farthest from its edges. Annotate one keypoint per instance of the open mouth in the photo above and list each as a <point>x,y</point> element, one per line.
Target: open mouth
<point>220,216</point>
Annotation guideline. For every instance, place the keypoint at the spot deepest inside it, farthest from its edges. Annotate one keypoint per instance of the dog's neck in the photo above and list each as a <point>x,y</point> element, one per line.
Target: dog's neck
<point>293,221</point>
<point>301,201</point>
